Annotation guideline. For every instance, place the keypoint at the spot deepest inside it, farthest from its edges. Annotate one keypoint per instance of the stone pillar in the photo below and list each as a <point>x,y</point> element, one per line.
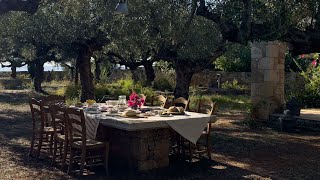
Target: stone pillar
<point>267,85</point>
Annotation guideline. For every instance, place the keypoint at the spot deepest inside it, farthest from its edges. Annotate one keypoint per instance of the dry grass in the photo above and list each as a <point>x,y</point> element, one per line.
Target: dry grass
<point>239,152</point>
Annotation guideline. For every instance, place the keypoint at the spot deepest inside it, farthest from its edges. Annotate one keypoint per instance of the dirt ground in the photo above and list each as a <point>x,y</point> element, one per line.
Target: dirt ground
<point>238,151</point>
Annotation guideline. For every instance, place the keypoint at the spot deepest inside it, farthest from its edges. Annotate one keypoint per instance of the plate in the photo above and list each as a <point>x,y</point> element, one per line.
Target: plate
<point>93,112</point>
<point>165,115</point>
<point>176,113</point>
<point>136,116</point>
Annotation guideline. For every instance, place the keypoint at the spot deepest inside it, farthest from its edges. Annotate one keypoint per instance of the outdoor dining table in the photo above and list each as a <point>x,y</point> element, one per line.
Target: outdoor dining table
<point>143,143</point>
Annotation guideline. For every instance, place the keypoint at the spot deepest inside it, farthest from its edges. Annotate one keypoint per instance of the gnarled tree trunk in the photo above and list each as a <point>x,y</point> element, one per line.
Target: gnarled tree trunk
<point>135,75</point>
<point>86,76</point>
<point>184,72</point>
<point>38,76</point>
<point>97,71</point>
<point>76,75</point>
<point>13,71</point>
<point>150,74</point>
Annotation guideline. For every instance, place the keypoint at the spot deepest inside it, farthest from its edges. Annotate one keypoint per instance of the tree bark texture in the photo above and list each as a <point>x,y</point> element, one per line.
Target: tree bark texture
<point>184,72</point>
<point>76,75</point>
<point>150,74</point>
<point>39,77</point>
<point>97,71</point>
<point>135,75</point>
<point>13,72</point>
<point>86,76</point>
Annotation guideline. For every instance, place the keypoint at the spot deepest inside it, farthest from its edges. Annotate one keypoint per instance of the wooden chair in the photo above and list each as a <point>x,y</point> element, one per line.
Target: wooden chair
<point>60,136</point>
<point>53,99</point>
<point>159,100</point>
<point>49,100</point>
<point>81,150</point>
<point>205,106</point>
<point>176,139</point>
<point>40,131</point>
<point>181,102</point>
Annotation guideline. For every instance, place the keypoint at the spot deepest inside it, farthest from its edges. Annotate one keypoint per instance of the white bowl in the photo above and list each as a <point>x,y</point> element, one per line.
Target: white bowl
<point>112,102</point>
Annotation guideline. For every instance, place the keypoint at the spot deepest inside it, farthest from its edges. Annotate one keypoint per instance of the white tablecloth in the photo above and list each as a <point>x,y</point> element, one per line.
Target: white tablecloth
<point>189,126</point>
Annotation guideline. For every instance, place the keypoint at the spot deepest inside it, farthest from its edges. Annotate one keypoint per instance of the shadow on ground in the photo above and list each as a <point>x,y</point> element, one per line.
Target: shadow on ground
<point>238,153</point>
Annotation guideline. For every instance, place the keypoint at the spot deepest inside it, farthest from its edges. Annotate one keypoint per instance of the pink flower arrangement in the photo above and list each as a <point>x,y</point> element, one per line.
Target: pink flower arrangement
<point>135,100</point>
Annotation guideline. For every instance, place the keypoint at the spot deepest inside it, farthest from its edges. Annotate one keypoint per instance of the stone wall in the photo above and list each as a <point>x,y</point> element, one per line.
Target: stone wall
<point>267,87</point>
<point>136,150</point>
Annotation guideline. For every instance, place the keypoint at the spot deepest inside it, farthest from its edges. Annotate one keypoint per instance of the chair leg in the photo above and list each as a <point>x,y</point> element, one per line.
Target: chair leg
<point>83,159</point>
<point>64,155</point>
<point>190,152</point>
<point>106,159</point>
<point>32,144</point>
<point>70,160</point>
<point>51,143</point>
<point>40,144</point>
<point>209,148</point>
<point>54,150</point>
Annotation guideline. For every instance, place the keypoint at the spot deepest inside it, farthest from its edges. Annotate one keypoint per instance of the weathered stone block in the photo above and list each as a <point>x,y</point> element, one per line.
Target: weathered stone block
<point>272,50</point>
<point>265,63</point>
<point>271,76</point>
<point>256,52</point>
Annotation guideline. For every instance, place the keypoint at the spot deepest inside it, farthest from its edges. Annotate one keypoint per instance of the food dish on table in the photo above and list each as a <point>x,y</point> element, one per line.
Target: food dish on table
<point>174,110</point>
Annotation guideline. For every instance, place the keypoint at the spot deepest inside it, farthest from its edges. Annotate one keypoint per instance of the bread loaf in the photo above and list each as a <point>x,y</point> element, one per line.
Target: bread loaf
<point>129,113</point>
<point>173,109</point>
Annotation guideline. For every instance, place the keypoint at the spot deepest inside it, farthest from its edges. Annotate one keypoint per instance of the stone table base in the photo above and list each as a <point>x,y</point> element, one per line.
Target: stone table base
<point>136,150</point>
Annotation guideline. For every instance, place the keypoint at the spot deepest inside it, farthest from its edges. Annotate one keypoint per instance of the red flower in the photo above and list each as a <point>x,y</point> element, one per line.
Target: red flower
<point>302,56</point>
<point>314,63</point>
<point>135,100</point>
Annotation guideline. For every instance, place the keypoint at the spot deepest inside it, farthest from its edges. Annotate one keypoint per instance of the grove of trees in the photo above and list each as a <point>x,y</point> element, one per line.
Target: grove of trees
<point>190,35</point>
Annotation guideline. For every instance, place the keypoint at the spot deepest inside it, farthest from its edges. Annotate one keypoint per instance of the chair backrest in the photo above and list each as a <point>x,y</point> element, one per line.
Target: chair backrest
<point>159,100</point>
<point>206,106</point>
<point>76,124</point>
<point>37,114</point>
<point>58,115</point>
<point>181,102</point>
<point>53,99</point>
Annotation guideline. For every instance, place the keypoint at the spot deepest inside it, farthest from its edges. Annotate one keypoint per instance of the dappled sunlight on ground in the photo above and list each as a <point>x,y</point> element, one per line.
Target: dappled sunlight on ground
<point>238,151</point>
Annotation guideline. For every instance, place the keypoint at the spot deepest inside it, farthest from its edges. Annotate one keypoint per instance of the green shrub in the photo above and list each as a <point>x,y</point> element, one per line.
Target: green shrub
<point>162,83</point>
<point>234,85</point>
<point>310,95</point>
<point>70,91</point>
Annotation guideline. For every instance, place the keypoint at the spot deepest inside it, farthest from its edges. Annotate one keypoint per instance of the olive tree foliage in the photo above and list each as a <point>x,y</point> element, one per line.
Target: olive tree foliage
<point>293,21</point>
<point>58,31</point>
<point>237,58</point>
<point>134,36</point>
<point>190,43</point>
